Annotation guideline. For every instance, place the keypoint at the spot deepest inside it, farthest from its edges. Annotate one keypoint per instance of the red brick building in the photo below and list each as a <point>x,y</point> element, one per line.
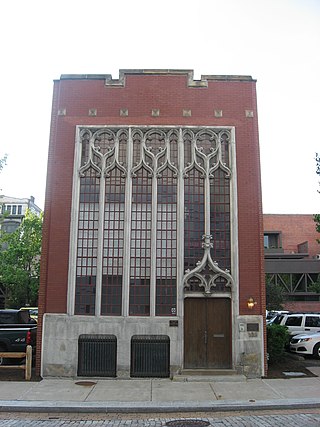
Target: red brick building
<point>294,233</point>
<point>153,229</point>
<point>293,259</point>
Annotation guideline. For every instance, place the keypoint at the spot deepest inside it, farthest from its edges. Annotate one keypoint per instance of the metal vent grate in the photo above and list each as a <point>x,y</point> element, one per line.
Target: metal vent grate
<point>150,356</point>
<point>97,355</point>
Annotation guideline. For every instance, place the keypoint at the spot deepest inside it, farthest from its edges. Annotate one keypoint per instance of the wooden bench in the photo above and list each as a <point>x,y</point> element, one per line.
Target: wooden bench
<point>19,355</point>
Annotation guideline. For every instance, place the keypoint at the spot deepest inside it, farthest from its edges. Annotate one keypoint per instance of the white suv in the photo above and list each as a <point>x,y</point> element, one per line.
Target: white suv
<point>306,344</point>
<point>298,323</point>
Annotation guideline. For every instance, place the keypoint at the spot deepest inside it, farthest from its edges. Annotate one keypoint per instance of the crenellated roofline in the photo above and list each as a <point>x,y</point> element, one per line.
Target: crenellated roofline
<point>121,81</point>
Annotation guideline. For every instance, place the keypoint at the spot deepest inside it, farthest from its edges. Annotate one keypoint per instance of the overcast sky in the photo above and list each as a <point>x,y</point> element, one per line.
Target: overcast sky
<point>277,42</point>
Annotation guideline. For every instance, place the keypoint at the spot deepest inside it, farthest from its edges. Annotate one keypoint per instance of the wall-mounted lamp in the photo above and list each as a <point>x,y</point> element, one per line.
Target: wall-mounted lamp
<point>251,303</point>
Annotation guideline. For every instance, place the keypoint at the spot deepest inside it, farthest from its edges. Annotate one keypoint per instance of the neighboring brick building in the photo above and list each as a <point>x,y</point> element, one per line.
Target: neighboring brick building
<point>293,259</point>
<point>153,227</point>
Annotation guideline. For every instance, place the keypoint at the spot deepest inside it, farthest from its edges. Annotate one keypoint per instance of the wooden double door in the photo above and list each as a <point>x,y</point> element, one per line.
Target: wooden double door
<point>207,333</point>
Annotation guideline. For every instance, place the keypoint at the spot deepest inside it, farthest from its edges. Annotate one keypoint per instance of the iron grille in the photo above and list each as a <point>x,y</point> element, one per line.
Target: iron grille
<point>150,356</point>
<point>97,355</point>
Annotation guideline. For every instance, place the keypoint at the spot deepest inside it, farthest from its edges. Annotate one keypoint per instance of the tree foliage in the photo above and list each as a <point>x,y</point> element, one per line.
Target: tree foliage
<point>274,296</point>
<point>315,286</point>
<point>318,164</point>
<point>20,261</point>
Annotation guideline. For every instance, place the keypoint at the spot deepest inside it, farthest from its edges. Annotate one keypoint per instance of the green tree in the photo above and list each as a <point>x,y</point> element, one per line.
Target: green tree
<point>274,295</point>
<point>315,286</point>
<point>20,261</point>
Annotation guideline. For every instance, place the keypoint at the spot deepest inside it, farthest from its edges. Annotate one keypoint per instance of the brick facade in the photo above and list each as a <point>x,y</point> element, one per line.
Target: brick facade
<point>152,98</point>
<point>295,229</point>
<point>294,262</point>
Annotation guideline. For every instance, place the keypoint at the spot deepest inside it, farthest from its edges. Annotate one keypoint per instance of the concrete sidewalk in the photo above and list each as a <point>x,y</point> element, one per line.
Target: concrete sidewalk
<point>182,394</point>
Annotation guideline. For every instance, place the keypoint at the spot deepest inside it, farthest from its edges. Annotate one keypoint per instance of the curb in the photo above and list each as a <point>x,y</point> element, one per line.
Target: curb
<point>155,407</point>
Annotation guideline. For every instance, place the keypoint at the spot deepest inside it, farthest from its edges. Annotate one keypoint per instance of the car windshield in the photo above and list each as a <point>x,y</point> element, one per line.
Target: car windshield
<point>277,319</point>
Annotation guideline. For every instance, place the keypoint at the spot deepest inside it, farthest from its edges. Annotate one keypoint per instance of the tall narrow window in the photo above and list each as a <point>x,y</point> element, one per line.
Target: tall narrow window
<point>87,243</point>
<point>220,219</point>
<point>194,209</point>
<point>207,211</point>
<point>193,219</point>
<point>166,271</point>
<point>113,244</point>
<point>140,260</point>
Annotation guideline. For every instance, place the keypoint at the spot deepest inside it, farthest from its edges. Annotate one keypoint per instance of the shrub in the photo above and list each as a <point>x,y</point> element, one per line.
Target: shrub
<point>277,339</point>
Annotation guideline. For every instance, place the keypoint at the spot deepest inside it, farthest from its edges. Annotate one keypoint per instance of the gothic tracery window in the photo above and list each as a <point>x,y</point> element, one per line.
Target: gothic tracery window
<point>141,190</point>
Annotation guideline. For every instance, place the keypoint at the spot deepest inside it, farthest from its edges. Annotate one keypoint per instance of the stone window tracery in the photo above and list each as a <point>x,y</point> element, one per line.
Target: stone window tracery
<point>157,186</point>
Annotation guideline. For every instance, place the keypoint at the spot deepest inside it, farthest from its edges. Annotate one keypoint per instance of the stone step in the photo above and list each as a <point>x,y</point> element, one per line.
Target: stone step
<point>209,375</point>
<point>208,372</point>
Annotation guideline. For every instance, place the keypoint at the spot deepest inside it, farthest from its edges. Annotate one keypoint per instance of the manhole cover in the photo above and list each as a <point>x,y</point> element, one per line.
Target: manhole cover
<point>187,423</point>
<point>86,383</point>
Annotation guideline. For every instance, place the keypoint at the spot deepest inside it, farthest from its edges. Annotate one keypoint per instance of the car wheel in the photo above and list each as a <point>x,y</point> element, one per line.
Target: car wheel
<point>316,351</point>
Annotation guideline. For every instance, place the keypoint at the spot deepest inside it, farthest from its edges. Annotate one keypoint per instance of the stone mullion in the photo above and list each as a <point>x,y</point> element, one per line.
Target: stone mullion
<point>234,222</point>
<point>180,226</point>
<point>74,228</point>
<point>100,240</point>
<point>234,243</point>
<point>206,199</point>
<point>127,228</point>
<point>153,249</point>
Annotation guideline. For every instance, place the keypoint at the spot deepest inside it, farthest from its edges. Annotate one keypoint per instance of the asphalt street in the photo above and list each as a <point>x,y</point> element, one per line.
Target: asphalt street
<point>242,419</point>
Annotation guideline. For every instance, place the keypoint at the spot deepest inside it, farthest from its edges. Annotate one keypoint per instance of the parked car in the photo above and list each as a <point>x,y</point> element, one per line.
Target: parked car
<point>15,317</point>
<point>298,323</point>
<point>306,344</point>
<point>17,330</point>
<point>274,313</point>
<point>33,311</point>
